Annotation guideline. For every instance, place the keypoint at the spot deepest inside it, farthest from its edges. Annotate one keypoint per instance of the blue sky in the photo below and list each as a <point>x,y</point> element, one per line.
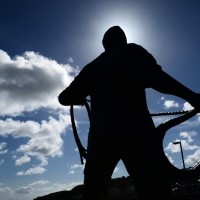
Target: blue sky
<point>43,44</point>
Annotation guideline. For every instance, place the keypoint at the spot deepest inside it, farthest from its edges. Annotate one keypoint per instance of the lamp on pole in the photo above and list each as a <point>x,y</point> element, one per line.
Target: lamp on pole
<point>179,142</point>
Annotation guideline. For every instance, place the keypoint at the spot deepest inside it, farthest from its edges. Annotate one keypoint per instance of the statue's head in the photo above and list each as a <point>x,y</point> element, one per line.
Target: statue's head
<point>114,37</point>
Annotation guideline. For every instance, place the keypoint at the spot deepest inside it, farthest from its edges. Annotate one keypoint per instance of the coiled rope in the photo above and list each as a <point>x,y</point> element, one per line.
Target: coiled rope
<point>161,130</point>
<point>81,148</point>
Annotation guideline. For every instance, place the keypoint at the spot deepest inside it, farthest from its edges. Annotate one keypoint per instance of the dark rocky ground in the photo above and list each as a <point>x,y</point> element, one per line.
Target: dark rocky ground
<point>123,189</point>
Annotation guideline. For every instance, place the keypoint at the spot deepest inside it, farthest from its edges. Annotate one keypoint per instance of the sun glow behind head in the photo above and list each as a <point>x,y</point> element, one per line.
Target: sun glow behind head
<point>126,21</point>
<point>131,22</point>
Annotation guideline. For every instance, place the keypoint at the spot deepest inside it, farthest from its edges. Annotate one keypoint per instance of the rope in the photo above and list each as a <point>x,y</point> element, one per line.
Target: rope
<point>82,150</point>
<point>174,173</point>
<point>170,113</point>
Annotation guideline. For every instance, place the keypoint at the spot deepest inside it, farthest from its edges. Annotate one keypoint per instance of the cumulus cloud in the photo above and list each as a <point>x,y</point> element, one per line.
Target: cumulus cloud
<point>169,158</point>
<point>35,189</point>
<point>2,148</point>
<point>170,104</point>
<point>30,81</point>
<point>187,141</point>
<point>22,160</point>
<point>77,166</point>
<point>74,168</point>
<point>185,144</point>
<point>31,171</point>
<point>191,160</point>
<point>44,140</point>
<point>187,106</point>
<point>54,187</point>
<point>188,135</point>
<point>71,172</point>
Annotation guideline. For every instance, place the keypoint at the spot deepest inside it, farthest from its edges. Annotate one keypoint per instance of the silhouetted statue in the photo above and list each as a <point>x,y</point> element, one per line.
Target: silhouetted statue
<point>121,126</point>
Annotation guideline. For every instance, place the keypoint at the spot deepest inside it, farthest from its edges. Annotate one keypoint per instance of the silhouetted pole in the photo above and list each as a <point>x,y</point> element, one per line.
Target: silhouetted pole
<point>181,152</point>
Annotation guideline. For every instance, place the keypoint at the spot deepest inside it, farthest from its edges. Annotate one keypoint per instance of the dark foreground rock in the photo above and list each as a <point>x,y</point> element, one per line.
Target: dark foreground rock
<point>123,189</point>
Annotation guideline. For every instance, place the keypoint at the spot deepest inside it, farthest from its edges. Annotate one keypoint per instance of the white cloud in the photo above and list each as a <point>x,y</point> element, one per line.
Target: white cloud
<point>55,187</point>
<point>116,170</point>
<point>193,159</point>
<point>72,185</point>
<point>174,148</point>
<point>22,160</point>
<point>35,189</point>
<point>47,141</point>
<point>188,145</point>
<point>70,60</point>
<point>71,172</point>
<point>2,146</point>
<point>31,171</point>
<point>44,139</point>
<point>41,182</point>
<point>169,158</point>
<point>188,135</point>
<point>30,81</point>
<point>187,106</point>
<point>186,142</point>
<point>77,166</point>
<point>170,104</point>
